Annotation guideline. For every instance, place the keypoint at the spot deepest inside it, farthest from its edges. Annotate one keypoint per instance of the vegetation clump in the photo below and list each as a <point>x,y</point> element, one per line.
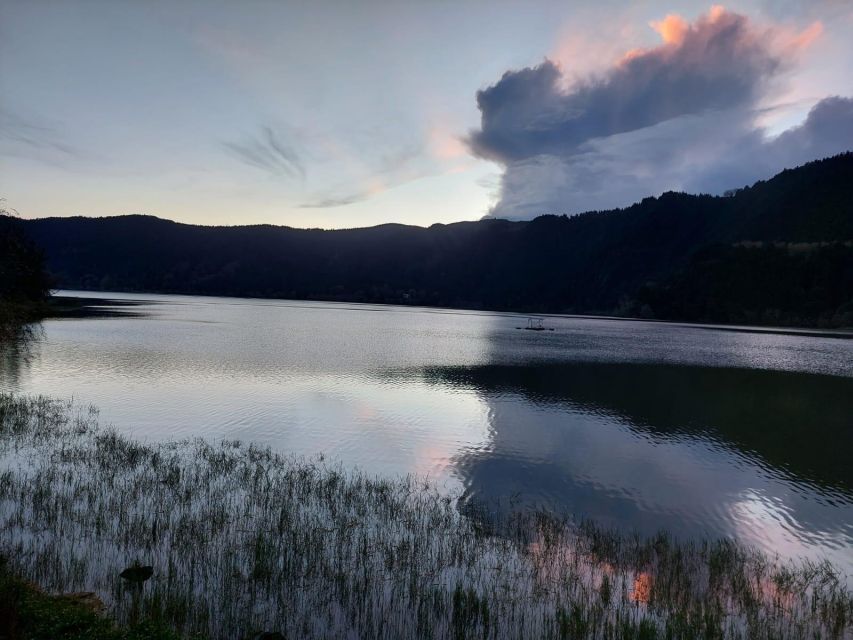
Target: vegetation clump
<point>24,283</point>
<point>28,613</point>
<point>242,541</point>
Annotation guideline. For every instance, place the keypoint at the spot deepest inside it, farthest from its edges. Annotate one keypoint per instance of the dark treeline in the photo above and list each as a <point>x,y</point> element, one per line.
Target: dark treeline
<point>775,284</point>
<point>779,251</point>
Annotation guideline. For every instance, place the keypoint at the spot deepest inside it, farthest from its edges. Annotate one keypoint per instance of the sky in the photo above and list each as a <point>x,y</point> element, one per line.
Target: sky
<point>351,114</point>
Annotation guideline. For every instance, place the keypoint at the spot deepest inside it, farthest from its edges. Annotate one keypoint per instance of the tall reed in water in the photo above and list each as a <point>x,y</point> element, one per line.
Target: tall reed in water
<point>242,539</point>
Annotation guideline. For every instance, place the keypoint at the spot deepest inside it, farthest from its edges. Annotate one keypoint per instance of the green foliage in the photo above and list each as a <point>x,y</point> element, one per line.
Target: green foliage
<point>27,613</point>
<point>470,613</point>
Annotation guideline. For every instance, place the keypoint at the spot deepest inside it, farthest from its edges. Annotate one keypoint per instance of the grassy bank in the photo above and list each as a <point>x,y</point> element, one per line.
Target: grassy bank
<point>242,540</point>
<point>28,613</point>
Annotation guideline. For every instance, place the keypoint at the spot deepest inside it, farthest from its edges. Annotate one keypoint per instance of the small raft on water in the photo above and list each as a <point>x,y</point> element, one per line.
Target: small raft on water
<point>536,324</point>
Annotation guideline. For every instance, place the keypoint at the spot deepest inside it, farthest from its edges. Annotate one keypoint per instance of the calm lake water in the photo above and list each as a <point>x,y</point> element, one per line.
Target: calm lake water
<point>703,431</point>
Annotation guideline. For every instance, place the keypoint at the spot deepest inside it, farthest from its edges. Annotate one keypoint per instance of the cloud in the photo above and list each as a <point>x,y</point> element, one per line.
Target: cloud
<point>719,62</point>
<point>26,137</point>
<point>750,156</point>
<point>344,169</point>
<point>444,144</point>
<point>268,152</point>
<point>377,172</point>
<point>373,186</point>
<point>337,201</point>
<point>827,130</point>
<point>682,114</point>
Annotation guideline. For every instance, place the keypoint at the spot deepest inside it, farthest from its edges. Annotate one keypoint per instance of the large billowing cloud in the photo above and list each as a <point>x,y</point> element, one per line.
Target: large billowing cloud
<point>679,116</point>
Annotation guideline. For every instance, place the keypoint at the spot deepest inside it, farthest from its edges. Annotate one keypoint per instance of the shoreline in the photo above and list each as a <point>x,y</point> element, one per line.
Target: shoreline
<point>843,333</point>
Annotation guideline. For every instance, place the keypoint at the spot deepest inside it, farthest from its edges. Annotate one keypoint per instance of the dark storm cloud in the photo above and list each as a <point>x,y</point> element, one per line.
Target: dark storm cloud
<point>703,153</point>
<point>681,116</point>
<point>827,130</point>
<point>717,63</point>
<point>268,152</point>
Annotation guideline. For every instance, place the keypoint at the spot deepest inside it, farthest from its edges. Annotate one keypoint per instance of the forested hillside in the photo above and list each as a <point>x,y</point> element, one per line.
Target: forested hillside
<point>779,252</point>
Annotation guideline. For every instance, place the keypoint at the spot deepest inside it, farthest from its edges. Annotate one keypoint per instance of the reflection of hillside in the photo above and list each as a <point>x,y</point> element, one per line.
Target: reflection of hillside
<point>589,465</point>
<point>796,422</point>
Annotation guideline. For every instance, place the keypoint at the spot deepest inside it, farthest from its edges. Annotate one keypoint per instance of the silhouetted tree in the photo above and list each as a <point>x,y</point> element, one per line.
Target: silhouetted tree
<point>22,272</point>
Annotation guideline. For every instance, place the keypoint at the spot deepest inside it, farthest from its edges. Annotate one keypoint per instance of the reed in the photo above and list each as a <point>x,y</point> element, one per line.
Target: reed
<point>244,540</point>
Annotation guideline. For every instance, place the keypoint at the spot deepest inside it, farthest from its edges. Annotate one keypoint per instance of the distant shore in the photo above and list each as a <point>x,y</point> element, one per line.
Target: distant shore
<point>64,305</point>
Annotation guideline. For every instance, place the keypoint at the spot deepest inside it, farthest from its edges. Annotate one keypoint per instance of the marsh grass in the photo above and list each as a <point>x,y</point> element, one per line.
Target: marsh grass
<point>28,612</point>
<point>244,540</point>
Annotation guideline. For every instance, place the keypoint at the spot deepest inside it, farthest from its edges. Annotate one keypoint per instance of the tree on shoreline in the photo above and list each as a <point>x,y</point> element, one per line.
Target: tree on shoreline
<point>24,283</point>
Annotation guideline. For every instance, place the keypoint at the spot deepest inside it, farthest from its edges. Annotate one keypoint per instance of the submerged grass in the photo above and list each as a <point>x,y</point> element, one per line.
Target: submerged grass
<point>243,540</point>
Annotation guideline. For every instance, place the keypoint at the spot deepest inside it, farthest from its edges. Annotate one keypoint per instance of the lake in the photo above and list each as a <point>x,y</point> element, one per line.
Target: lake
<point>702,431</point>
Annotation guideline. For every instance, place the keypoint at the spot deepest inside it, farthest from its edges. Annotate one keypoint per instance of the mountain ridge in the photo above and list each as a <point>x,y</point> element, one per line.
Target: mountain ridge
<point>671,257</point>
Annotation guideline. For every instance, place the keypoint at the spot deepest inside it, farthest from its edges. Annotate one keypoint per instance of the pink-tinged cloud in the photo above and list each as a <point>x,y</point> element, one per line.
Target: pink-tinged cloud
<point>672,29</point>
<point>808,36</point>
<point>720,61</point>
<point>444,144</point>
<point>685,103</point>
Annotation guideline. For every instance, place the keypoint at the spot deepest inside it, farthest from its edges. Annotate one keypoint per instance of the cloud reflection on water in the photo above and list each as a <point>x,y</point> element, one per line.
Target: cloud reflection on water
<point>755,455</point>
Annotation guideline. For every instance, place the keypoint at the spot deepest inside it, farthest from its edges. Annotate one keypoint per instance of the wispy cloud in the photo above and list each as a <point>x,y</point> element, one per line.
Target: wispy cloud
<point>376,173</point>
<point>267,151</point>
<point>351,167</point>
<point>28,137</point>
<point>328,203</point>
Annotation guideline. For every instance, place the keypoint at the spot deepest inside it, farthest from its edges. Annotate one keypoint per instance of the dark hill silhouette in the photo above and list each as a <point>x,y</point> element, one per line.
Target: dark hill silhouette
<point>779,251</point>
